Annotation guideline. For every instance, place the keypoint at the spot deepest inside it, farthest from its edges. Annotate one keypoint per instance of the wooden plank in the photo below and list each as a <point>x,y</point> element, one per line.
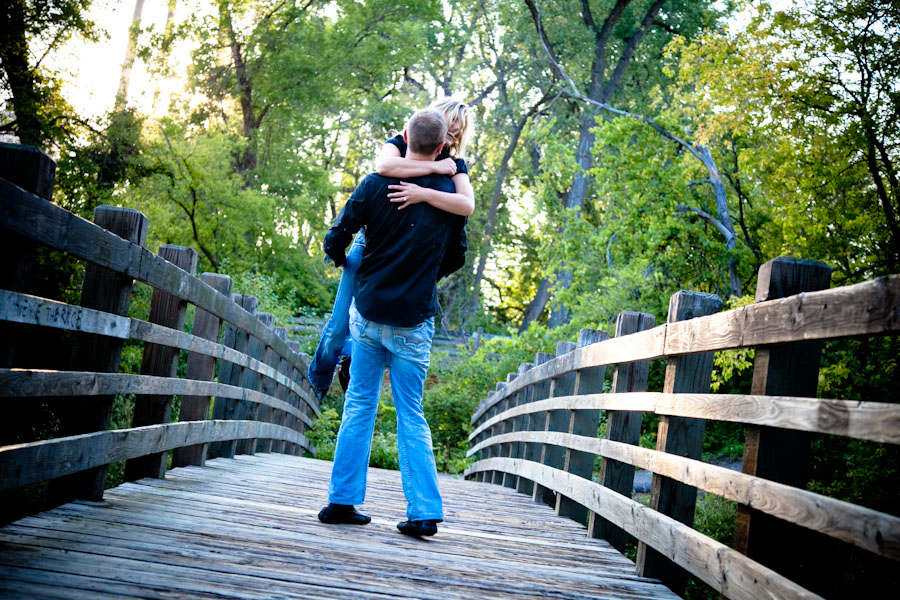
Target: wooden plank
<point>583,423</point>
<point>871,530</point>
<point>160,360</point>
<point>870,308</point>
<point>638,346</point>
<point>622,426</point>
<point>109,291</point>
<point>24,308</point>
<point>200,367</point>
<point>240,527</point>
<point>518,424</point>
<point>725,570</point>
<point>873,421</point>
<point>22,464</point>
<point>24,383</point>
<point>51,225</point>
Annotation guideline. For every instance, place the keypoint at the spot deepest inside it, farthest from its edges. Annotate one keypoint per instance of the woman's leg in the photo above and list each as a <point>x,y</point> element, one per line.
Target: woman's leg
<point>336,333</point>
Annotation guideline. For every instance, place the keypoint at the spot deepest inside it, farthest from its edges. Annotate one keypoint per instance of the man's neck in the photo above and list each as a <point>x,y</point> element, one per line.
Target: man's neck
<point>416,156</point>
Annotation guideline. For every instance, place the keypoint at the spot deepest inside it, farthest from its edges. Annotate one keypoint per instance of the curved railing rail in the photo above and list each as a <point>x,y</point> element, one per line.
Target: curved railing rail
<point>537,432</point>
<point>263,401</point>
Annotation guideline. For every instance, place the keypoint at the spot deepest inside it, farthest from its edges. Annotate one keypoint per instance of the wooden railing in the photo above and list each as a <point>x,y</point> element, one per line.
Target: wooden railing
<point>537,432</point>
<point>263,401</point>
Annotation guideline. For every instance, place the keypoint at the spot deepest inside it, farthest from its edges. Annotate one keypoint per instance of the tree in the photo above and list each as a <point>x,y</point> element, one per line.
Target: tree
<point>614,42</point>
<point>42,117</point>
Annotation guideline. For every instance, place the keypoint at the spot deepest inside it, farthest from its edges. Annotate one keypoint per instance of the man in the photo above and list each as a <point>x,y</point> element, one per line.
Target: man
<point>392,323</point>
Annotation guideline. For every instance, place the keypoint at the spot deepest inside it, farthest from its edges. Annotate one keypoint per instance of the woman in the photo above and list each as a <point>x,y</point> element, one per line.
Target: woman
<point>392,162</point>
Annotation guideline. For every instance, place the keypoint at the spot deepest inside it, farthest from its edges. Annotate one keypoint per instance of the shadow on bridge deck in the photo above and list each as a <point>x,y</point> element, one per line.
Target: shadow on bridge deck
<point>246,528</point>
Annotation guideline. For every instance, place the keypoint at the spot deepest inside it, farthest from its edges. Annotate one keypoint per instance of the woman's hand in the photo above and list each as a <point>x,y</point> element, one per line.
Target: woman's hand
<point>446,166</point>
<point>408,193</point>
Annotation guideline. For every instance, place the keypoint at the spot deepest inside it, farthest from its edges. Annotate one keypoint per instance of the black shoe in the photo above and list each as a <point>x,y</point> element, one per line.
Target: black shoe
<point>320,394</point>
<point>344,373</point>
<point>335,514</point>
<point>418,528</point>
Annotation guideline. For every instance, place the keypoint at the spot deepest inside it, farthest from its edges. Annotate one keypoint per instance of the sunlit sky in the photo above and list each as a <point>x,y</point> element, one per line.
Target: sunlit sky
<point>94,69</point>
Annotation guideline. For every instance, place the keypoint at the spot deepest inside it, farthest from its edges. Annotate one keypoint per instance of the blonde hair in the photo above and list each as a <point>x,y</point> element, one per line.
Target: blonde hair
<point>456,113</point>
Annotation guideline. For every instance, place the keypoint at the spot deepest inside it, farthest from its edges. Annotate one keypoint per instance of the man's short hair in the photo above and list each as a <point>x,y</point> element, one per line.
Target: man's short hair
<point>425,131</point>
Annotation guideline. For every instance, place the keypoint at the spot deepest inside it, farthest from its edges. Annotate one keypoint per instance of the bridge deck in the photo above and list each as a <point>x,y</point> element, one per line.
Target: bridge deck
<point>247,528</point>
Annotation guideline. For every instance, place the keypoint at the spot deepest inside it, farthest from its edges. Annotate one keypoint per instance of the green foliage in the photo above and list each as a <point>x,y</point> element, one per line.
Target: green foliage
<point>456,388</point>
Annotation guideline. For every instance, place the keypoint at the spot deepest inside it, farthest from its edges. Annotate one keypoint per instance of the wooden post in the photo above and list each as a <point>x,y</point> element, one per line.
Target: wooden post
<point>29,168</point>
<point>282,393</point>
<point>535,422</point>
<point>485,452</point>
<point>781,455</point>
<point>517,449</point>
<point>201,368</point>
<point>167,310</point>
<point>230,374</point>
<point>508,426</point>
<point>556,420</point>
<point>109,291</point>
<point>496,449</point>
<point>582,422</point>
<point>251,380</point>
<point>24,345</point>
<point>681,436</point>
<point>622,426</point>
<point>266,414</point>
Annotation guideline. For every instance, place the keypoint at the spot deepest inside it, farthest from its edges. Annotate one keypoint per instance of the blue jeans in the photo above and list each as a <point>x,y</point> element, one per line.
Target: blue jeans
<point>406,351</point>
<point>335,340</point>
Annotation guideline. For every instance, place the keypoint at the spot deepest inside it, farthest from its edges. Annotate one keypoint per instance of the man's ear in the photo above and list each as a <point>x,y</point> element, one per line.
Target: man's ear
<point>405,141</point>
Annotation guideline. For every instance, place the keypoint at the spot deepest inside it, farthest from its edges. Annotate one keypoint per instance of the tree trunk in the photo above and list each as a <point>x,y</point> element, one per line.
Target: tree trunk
<point>167,32</point>
<point>536,307</point>
<point>248,158</point>
<point>128,63</point>
<point>19,76</point>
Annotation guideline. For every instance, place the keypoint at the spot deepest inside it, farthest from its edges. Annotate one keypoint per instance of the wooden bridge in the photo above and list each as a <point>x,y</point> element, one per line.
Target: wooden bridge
<point>235,516</point>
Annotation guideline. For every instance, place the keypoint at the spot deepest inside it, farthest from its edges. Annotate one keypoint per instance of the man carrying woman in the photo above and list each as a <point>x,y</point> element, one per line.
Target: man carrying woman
<point>393,162</point>
<point>392,324</point>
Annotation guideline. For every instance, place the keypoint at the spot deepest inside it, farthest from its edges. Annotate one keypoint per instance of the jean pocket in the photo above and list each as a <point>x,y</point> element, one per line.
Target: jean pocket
<point>414,341</point>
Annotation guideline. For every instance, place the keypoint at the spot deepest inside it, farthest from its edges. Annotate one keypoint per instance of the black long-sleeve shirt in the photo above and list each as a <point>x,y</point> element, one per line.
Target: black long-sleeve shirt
<point>406,251</point>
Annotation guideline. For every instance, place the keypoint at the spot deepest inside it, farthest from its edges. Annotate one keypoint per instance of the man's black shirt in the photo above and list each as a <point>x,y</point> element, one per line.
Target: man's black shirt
<point>406,251</point>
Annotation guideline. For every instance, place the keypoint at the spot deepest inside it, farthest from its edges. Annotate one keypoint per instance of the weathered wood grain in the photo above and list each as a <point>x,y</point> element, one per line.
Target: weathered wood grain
<point>724,569</point>
<point>622,426</point>
<point>871,530</point>
<point>200,367</point>
<point>870,308</point>
<point>776,454</point>
<point>873,421</point>
<point>24,383</point>
<point>107,290</point>
<point>53,226</point>
<point>22,464</point>
<point>24,308</point>
<point>160,360</point>
<point>246,528</point>
<point>682,436</point>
